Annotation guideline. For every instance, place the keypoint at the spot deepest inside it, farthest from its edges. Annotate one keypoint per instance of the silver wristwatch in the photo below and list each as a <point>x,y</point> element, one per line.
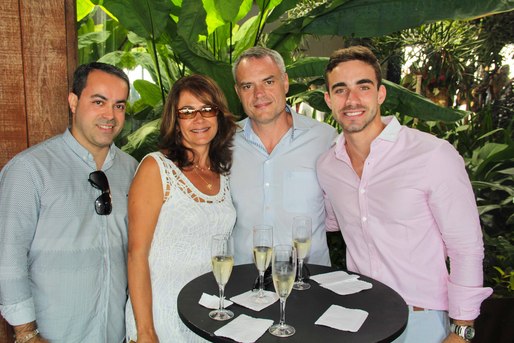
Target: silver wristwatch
<point>466,332</point>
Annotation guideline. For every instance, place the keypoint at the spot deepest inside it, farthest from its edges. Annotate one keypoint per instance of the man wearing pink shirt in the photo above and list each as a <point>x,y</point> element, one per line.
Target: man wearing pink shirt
<point>404,204</point>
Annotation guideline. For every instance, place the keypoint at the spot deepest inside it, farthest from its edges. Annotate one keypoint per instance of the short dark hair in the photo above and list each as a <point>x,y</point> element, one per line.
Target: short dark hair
<point>170,140</point>
<point>82,72</point>
<point>359,53</point>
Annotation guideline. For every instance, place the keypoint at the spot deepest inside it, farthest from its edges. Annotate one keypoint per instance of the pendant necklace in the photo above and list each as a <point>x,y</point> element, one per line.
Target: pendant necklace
<point>209,185</point>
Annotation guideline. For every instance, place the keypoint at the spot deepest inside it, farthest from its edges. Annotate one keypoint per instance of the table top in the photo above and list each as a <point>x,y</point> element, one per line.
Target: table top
<point>387,310</point>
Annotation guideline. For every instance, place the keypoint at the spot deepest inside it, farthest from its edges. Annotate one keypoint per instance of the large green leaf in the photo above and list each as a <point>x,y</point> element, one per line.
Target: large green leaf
<point>280,9</point>
<point>84,7</point>
<point>202,63</point>
<point>149,92</point>
<point>373,18</point>
<point>191,22</point>
<point>146,18</point>
<point>143,140</point>
<point>245,36</point>
<point>92,38</point>
<point>406,102</point>
<point>307,67</point>
<point>228,9</point>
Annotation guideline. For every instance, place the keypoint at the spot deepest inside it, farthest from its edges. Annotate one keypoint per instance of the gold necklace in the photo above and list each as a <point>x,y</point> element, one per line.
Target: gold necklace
<point>209,185</point>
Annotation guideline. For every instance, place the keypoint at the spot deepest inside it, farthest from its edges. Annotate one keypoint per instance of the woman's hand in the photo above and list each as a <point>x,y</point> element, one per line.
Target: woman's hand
<point>147,338</point>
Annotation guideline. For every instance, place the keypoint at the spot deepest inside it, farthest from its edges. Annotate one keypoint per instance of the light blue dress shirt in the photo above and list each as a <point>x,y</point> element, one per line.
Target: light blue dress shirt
<point>62,264</point>
<point>273,188</point>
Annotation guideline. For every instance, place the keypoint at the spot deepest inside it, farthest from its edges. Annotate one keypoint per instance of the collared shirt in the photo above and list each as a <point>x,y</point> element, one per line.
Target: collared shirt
<point>412,208</point>
<point>273,188</point>
<point>62,264</point>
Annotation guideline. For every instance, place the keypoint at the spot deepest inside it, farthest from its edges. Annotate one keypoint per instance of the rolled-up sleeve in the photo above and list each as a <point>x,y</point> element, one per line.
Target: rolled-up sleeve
<point>453,205</point>
<point>19,207</point>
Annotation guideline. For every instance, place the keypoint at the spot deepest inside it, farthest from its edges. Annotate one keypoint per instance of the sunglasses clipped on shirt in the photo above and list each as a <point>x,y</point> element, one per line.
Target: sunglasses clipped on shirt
<point>103,204</point>
<point>190,113</point>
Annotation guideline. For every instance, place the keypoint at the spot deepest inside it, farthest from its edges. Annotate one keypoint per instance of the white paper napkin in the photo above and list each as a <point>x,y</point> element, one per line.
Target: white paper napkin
<point>333,277</point>
<point>342,318</point>
<point>341,282</point>
<point>212,301</point>
<point>244,329</point>
<point>347,287</point>
<point>246,299</point>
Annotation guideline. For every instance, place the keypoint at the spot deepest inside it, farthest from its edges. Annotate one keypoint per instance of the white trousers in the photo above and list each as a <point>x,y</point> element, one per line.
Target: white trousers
<point>428,326</point>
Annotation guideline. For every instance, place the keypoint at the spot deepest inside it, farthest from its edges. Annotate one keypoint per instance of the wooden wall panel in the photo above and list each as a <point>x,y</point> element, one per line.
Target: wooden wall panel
<point>13,130</point>
<point>45,67</point>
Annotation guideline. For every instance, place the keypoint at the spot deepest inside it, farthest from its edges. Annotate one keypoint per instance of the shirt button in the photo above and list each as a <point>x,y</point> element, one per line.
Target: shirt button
<point>363,191</point>
<point>364,219</point>
<point>266,184</point>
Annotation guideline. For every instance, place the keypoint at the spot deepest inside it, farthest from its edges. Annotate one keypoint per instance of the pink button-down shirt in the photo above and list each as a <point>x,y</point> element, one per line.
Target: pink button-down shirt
<point>411,209</point>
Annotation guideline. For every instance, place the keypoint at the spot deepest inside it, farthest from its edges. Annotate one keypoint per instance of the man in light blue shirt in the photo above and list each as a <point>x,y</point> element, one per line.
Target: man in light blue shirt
<point>63,222</point>
<point>273,175</point>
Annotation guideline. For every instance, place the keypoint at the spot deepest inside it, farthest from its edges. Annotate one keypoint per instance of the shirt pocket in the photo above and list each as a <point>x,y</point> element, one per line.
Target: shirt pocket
<point>302,193</point>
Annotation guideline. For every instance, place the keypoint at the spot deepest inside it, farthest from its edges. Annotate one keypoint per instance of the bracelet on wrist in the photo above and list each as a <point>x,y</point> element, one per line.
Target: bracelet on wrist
<point>27,338</point>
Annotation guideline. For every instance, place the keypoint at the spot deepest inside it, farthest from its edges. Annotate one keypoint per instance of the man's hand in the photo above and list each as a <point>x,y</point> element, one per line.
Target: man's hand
<point>23,330</point>
<point>147,338</point>
<point>454,338</point>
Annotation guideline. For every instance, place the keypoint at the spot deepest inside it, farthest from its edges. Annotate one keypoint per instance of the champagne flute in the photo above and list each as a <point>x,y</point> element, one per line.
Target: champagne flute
<point>222,258</point>
<point>262,247</point>
<point>302,231</point>
<point>283,270</point>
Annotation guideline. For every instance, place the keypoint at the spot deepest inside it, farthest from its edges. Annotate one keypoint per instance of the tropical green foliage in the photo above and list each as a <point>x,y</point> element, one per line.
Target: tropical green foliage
<point>173,38</point>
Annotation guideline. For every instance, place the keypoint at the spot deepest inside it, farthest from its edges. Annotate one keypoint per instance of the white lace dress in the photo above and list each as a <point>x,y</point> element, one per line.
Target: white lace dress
<point>180,249</point>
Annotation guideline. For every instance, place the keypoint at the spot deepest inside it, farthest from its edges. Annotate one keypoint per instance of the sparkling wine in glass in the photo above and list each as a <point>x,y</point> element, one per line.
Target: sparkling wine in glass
<point>222,258</point>
<point>302,231</point>
<point>283,271</point>
<point>262,247</point>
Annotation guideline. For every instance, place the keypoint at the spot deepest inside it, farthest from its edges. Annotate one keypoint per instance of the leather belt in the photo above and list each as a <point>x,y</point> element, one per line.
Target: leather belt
<point>416,308</point>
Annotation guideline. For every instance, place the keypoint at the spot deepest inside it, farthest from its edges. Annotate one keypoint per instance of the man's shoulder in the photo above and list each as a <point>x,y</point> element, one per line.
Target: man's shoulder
<point>37,151</point>
<point>327,156</point>
<point>423,138</point>
<point>125,158</point>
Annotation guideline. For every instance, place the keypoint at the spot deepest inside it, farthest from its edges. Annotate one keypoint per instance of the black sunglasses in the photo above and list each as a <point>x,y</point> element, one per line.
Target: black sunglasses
<point>103,204</point>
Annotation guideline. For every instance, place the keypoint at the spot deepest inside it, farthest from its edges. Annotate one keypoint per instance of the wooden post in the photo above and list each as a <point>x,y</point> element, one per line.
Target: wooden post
<point>38,54</point>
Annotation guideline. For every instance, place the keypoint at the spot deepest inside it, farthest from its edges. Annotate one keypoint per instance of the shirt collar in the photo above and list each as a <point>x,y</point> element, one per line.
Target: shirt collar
<point>389,133</point>
<point>299,125</point>
<point>84,154</point>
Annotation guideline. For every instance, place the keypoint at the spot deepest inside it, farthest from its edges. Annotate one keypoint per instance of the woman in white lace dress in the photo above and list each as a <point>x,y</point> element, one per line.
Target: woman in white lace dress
<point>179,198</point>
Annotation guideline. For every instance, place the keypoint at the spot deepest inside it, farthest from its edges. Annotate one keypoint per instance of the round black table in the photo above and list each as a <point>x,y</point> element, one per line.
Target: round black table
<point>387,310</point>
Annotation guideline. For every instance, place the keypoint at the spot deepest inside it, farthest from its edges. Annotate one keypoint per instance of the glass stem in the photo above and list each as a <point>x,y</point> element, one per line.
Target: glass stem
<point>282,311</point>
<point>222,296</point>
<point>261,284</point>
<point>300,267</point>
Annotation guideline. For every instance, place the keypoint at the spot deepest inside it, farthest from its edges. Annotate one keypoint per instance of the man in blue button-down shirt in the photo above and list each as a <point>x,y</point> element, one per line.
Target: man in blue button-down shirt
<point>273,176</point>
<point>63,224</point>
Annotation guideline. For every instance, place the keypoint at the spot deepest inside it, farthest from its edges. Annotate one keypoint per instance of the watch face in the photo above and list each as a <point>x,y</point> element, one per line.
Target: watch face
<point>469,333</point>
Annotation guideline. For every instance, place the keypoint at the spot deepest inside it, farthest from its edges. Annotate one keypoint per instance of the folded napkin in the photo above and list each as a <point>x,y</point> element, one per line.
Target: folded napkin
<point>247,300</point>
<point>244,329</point>
<point>342,318</point>
<point>333,277</point>
<point>347,287</point>
<point>212,301</point>
<point>341,282</point>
